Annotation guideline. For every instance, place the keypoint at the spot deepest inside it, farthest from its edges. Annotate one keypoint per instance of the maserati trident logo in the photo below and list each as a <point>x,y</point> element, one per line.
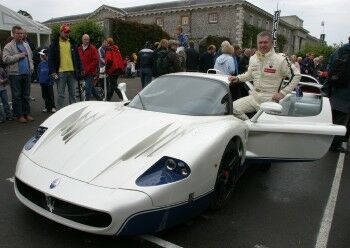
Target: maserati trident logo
<point>55,183</point>
<point>50,203</point>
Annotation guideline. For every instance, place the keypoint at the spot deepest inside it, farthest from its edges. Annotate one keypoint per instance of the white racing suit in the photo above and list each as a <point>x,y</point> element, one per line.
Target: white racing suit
<point>267,73</point>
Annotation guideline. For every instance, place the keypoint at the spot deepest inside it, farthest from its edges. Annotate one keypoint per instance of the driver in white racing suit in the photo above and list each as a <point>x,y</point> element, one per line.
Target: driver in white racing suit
<point>267,69</point>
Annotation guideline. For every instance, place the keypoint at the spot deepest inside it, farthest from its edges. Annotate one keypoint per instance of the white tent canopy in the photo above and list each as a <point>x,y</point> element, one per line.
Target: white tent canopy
<point>39,33</point>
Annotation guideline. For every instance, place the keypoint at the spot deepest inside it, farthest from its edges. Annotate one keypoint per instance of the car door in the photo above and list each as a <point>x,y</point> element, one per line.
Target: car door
<point>303,131</point>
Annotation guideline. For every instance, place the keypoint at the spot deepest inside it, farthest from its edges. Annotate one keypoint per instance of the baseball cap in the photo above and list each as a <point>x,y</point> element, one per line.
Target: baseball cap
<point>65,28</point>
<point>43,52</point>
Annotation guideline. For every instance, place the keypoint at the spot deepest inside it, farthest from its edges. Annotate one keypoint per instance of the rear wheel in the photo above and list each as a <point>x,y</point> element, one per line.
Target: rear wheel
<point>227,174</point>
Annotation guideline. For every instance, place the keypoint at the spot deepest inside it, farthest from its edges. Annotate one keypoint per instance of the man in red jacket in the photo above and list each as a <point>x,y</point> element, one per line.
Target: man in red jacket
<point>90,59</point>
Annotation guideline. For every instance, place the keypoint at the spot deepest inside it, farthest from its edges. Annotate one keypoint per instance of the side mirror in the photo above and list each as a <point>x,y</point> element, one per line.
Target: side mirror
<point>267,107</point>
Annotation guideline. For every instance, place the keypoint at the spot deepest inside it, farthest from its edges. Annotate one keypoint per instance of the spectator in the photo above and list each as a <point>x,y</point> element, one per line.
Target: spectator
<point>146,60</point>
<point>101,53</point>
<point>339,92</point>
<point>219,52</point>
<point>181,37</point>
<point>161,65</point>
<point>5,112</point>
<point>181,52</point>
<point>36,57</point>
<point>207,59</point>
<point>236,58</point>
<point>114,67</point>
<point>90,60</point>
<point>64,65</point>
<point>322,70</point>
<point>174,63</point>
<point>46,82</point>
<point>17,56</point>
<point>244,61</point>
<point>294,60</point>
<point>192,58</point>
<point>307,65</point>
<point>224,63</point>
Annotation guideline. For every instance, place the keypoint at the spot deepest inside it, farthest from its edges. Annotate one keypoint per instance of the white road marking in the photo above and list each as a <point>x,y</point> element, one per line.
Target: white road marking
<point>11,179</point>
<point>326,224</point>
<point>160,242</point>
<point>260,246</point>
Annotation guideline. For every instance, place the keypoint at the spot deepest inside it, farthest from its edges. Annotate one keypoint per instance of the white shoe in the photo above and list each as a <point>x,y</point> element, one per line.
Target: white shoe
<point>53,110</point>
<point>44,110</point>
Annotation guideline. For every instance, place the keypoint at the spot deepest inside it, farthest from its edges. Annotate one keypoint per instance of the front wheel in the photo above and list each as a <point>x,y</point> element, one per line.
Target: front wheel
<point>227,174</point>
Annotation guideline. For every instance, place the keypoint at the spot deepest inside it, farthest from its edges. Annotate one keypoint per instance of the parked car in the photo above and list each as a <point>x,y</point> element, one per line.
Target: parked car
<point>173,151</point>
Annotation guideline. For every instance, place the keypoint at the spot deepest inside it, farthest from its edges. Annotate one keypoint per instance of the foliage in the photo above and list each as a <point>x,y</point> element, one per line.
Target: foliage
<point>321,49</point>
<point>212,40</point>
<point>90,27</point>
<point>250,33</point>
<point>24,13</point>
<point>131,36</point>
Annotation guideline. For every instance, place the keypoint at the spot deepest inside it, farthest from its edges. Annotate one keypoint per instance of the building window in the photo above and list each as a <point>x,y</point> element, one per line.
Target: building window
<point>185,20</point>
<point>160,21</point>
<point>213,18</point>
<point>267,25</point>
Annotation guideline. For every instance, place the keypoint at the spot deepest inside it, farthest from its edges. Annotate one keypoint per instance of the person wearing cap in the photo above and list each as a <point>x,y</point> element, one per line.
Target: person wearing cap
<point>145,62</point>
<point>18,58</point>
<point>90,60</point>
<point>64,65</point>
<point>46,83</point>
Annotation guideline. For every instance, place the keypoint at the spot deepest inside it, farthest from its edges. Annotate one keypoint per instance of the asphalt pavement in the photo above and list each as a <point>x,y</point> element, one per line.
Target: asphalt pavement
<point>283,207</point>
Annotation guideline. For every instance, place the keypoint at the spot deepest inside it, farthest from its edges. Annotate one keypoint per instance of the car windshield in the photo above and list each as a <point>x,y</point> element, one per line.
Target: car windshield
<point>184,95</point>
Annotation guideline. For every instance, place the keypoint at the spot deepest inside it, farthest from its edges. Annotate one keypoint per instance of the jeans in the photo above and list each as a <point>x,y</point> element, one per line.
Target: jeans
<point>20,89</point>
<point>112,86</point>
<point>63,79</point>
<point>5,104</point>
<point>146,76</point>
<point>90,88</point>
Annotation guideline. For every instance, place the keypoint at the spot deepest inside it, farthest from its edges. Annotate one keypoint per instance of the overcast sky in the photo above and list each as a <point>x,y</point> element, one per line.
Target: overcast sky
<point>335,13</point>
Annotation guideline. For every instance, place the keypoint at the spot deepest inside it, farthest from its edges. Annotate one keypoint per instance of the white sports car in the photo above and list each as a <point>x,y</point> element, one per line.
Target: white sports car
<point>173,151</point>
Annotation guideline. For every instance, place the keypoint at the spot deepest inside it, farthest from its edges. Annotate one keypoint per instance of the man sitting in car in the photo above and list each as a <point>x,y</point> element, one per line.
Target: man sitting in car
<point>266,69</point>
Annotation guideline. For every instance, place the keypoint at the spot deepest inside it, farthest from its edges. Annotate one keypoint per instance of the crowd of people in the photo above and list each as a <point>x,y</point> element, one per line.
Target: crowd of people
<point>65,63</point>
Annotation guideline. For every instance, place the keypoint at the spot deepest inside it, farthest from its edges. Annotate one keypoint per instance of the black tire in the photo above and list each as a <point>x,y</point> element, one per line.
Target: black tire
<point>227,173</point>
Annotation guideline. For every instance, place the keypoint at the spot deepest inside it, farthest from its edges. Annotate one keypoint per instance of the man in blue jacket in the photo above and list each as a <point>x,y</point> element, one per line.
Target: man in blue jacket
<point>64,65</point>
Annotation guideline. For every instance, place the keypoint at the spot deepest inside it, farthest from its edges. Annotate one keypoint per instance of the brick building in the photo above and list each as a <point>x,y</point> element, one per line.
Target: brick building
<point>200,18</point>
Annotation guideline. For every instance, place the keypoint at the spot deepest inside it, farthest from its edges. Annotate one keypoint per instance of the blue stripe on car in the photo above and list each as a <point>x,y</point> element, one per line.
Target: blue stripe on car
<point>156,220</point>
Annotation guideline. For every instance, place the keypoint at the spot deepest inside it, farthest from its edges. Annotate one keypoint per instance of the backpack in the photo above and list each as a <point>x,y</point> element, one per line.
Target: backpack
<point>162,62</point>
<point>114,61</point>
<point>339,67</point>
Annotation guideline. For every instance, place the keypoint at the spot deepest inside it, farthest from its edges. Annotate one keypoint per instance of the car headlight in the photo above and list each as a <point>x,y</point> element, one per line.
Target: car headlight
<point>31,142</point>
<point>164,171</point>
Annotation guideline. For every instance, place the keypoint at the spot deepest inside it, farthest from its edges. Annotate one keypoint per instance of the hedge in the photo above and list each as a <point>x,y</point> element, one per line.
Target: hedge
<point>131,36</point>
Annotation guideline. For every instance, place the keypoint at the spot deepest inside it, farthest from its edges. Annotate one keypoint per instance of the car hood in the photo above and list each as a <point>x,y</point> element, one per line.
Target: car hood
<point>94,140</point>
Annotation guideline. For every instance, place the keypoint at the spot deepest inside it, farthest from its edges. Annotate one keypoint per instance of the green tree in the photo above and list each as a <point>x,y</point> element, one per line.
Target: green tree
<point>321,49</point>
